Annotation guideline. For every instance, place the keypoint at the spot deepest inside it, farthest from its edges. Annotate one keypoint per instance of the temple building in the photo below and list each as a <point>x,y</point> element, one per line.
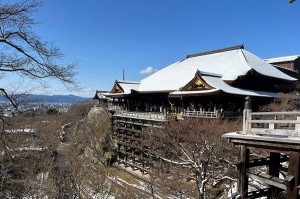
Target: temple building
<point>288,64</point>
<point>211,84</point>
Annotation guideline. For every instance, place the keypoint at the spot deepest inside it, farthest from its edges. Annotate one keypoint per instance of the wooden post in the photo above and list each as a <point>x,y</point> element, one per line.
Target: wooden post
<point>246,115</point>
<point>119,151</point>
<point>132,155</point>
<point>143,163</point>
<point>245,121</point>
<point>271,126</point>
<point>242,169</point>
<point>297,126</point>
<point>126,145</point>
<point>293,170</point>
<point>274,171</point>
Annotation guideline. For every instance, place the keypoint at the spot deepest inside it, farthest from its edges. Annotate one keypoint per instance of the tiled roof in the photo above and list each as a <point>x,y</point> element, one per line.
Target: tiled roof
<point>230,64</point>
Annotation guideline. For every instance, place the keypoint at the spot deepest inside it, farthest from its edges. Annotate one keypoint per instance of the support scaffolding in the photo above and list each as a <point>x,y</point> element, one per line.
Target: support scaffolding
<point>128,132</point>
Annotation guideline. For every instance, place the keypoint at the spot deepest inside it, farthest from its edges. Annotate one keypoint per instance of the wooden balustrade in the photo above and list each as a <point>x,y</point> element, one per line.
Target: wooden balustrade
<point>142,115</point>
<point>278,134</point>
<point>209,114</point>
<point>272,123</point>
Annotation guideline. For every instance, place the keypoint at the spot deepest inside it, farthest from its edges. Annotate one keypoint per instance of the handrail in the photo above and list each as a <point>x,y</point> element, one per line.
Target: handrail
<point>272,123</point>
<point>164,116</point>
<point>276,113</point>
<point>142,115</point>
<point>203,114</point>
<point>209,114</point>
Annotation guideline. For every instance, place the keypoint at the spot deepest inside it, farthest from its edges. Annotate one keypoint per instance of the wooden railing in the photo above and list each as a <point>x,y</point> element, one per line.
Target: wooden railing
<point>114,108</point>
<point>200,114</point>
<point>142,115</point>
<point>163,116</point>
<point>206,114</point>
<point>272,123</point>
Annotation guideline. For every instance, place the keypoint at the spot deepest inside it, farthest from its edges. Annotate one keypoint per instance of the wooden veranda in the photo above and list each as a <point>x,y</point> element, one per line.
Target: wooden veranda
<point>278,134</point>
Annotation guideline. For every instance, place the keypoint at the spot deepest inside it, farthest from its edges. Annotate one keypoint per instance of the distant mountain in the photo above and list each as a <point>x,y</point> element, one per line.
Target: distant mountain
<point>52,98</point>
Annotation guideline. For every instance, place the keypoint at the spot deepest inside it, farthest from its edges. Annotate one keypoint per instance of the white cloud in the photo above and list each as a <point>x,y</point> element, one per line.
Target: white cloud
<point>148,70</point>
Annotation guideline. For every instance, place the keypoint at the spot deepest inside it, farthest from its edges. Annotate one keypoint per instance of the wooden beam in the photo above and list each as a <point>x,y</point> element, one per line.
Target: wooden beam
<point>266,144</point>
<point>271,180</point>
<point>275,121</point>
<point>293,170</point>
<point>282,168</point>
<point>242,169</point>
<point>258,194</point>
<point>265,161</point>
<point>274,165</point>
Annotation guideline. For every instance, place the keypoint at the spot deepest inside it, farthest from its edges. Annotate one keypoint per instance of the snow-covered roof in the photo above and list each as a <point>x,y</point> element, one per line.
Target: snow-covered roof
<point>229,63</point>
<point>282,59</point>
<point>127,86</point>
<point>99,95</point>
<point>219,85</point>
<point>122,88</point>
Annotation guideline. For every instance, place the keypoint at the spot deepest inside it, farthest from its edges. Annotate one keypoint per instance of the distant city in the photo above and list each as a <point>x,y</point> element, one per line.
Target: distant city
<point>39,104</point>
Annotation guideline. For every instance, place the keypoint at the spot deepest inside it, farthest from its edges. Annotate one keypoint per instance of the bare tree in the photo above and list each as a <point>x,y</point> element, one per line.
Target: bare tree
<point>192,156</point>
<point>25,54</point>
<point>29,142</point>
<point>287,102</point>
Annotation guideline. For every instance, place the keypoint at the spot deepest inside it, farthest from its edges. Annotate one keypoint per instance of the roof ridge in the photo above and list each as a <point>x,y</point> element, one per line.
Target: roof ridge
<point>282,58</point>
<point>216,51</point>
<point>208,73</point>
<point>127,82</point>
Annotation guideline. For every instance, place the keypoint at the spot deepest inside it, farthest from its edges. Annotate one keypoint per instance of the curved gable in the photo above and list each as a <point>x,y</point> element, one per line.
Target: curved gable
<point>197,84</point>
<point>117,88</point>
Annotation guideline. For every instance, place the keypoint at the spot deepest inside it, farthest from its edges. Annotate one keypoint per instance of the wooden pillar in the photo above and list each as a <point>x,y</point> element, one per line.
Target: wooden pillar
<point>142,161</point>
<point>247,115</point>
<point>242,169</point>
<point>126,144</point>
<point>133,155</point>
<point>297,126</point>
<point>274,171</point>
<point>293,170</point>
<point>119,151</point>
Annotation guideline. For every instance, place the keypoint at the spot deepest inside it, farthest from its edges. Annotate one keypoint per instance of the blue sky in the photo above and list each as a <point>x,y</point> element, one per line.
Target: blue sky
<point>105,36</point>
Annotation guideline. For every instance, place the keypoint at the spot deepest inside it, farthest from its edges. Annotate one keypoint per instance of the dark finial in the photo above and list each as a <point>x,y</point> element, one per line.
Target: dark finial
<point>123,74</point>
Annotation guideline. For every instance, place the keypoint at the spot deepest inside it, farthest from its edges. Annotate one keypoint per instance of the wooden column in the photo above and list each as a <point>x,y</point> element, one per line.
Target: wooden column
<point>119,151</point>
<point>242,169</point>
<point>143,163</point>
<point>126,144</point>
<point>274,171</point>
<point>293,170</point>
